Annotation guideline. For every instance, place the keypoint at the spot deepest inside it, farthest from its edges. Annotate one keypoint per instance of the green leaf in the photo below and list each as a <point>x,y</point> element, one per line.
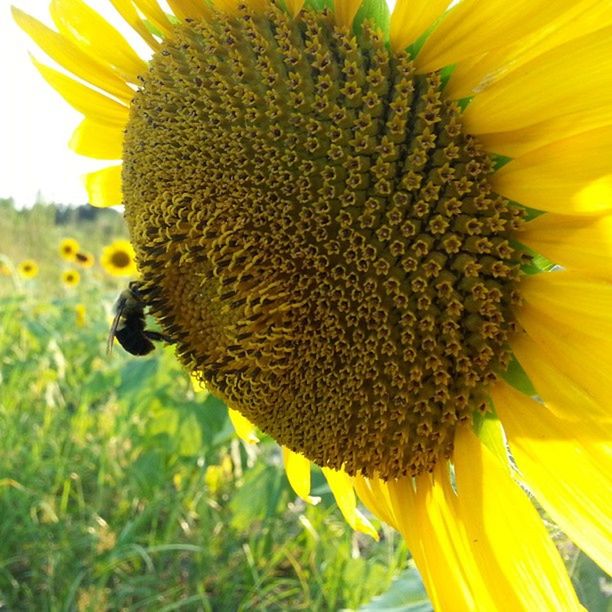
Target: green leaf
<point>190,436</point>
<point>136,375</point>
<point>149,472</point>
<point>592,584</point>
<point>259,497</point>
<point>406,594</point>
<point>213,419</point>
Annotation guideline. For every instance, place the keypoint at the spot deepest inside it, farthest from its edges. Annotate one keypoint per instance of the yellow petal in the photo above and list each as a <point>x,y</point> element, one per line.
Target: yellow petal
<point>294,6</point>
<point>511,546</point>
<point>426,513</point>
<point>341,486</point>
<point>583,243</point>
<point>572,78</point>
<point>96,140</point>
<point>571,299</point>
<point>71,57</point>
<point>562,395</point>
<point>565,466</point>
<point>586,361</point>
<point>374,494</point>
<point>345,12</point>
<point>571,176</point>
<point>153,12</point>
<point>188,9</point>
<point>80,23</point>
<point>410,18</point>
<point>297,468</point>
<point>245,430</point>
<point>130,15</point>
<point>198,385</point>
<point>92,104</point>
<point>518,142</point>
<point>104,186</point>
<point>477,73</point>
<point>474,27</point>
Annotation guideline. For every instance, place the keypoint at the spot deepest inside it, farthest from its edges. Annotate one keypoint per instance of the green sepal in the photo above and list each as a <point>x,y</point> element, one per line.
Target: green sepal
<point>153,29</point>
<point>517,377</point>
<point>530,213</point>
<point>489,430</point>
<point>537,264</point>
<point>445,75</point>
<point>318,5</point>
<point>499,161</point>
<point>377,13</point>
<point>463,103</point>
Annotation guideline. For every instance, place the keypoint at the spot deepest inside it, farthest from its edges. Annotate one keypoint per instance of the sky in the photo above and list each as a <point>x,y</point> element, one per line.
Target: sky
<point>35,122</point>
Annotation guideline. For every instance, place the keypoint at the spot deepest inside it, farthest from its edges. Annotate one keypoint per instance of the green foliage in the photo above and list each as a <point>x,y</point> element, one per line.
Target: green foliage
<point>122,488</point>
<point>406,594</point>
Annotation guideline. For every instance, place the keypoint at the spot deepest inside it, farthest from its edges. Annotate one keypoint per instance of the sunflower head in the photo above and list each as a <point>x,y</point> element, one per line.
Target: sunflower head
<point>70,278</point>
<point>85,260</point>
<point>118,259</point>
<point>68,249</point>
<point>327,249</point>
<point>28,268</point>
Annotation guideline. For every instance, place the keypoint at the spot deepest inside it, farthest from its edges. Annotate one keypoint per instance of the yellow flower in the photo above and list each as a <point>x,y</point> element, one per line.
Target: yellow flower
<point>349,222</point>
<point>118,259</point>
<point>85,260</point>
<point>70,278</point>
<point>68,248</point>
<point>27,268</point>
<point>5,268</point>
<point>80,313</point>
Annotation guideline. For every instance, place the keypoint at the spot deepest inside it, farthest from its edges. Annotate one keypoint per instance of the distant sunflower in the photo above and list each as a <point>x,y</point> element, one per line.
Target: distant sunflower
<point>348,221</point>
<point>5,269</point>
<point>85,260</point>
<point>118,258</point>
<point>27,268</point>
<point>68,248</point>
<point>80,314</point>
<point>70,278</point>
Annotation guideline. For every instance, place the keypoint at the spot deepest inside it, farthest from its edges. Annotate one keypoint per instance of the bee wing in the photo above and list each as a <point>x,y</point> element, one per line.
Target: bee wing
<point>119,306</point>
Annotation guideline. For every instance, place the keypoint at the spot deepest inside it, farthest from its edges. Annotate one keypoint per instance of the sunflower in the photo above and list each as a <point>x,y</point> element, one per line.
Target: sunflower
<point>85,260</point>
<point>386,240</point>
<point>27,268</point>
<point>5,268</point>
<point>118,258</point>
<point>70,278</point>
<point>68,249</point>
<point>80,314</point>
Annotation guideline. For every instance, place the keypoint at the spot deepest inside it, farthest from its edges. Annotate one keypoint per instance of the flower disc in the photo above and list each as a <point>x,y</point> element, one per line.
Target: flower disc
<point>319,236</point>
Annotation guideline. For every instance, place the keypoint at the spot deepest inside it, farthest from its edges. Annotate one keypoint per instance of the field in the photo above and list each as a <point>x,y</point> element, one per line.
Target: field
<point>124,488</point>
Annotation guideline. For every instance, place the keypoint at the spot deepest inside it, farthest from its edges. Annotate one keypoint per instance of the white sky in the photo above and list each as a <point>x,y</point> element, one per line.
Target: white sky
<point>35,122</point>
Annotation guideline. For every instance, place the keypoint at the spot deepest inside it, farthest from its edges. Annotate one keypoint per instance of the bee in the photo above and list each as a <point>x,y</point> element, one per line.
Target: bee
<point>129,324</point>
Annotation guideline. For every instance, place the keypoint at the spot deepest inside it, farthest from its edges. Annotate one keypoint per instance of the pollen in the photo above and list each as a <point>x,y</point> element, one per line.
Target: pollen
<point>318,234</point>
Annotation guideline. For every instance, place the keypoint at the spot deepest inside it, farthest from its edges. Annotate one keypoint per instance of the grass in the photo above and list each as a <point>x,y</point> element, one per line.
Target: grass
<point>123,489</point>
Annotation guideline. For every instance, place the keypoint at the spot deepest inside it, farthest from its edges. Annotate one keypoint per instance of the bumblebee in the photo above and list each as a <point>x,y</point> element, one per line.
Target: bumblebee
<point>129,324</point>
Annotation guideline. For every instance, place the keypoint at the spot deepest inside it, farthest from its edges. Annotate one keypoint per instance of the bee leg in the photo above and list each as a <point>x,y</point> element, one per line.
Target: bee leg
<point>157,336</point>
